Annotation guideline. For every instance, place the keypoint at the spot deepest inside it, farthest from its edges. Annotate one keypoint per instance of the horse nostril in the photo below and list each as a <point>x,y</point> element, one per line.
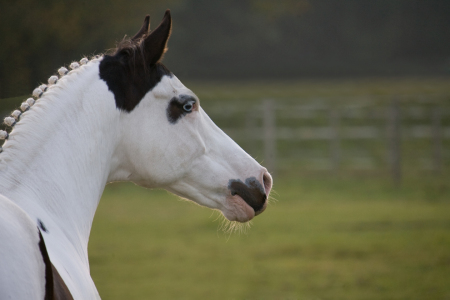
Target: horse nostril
<point>267,182</point>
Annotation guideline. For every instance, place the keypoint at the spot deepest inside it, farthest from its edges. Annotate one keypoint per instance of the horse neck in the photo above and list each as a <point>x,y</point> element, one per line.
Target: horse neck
<point>57,160</point>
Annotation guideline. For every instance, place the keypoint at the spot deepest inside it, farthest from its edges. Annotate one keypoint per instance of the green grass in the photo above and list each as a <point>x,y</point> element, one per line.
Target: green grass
<point>325,238</point>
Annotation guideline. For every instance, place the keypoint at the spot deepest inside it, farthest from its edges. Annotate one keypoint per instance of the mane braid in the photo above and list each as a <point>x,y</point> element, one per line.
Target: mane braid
<point>37,93</point>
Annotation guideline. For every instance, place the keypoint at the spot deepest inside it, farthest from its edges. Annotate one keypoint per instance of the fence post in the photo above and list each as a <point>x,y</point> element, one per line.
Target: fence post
<point>437,139</point>
<point>251,129</point>
<point>335,143</point>
<point>394,143</point>
<point>269,135</point>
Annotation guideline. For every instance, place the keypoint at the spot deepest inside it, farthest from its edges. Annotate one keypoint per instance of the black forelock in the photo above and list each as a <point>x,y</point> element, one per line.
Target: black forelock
<point>128,76</point>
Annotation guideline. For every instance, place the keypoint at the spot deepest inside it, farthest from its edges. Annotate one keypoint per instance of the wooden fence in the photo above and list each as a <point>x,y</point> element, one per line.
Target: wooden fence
<point>393,123</point>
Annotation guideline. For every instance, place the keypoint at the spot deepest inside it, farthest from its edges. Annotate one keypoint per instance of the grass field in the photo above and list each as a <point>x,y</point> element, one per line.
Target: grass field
<point>324,239</point>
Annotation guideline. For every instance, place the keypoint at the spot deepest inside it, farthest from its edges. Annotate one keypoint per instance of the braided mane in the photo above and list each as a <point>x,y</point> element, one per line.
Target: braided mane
<point>38,93</point>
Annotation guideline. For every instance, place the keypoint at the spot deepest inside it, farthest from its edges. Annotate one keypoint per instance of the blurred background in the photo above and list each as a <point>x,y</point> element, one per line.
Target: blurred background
<point>346,102</point>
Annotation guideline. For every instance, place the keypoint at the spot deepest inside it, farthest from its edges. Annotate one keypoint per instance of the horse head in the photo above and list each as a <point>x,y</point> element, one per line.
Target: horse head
<point>166,138</point>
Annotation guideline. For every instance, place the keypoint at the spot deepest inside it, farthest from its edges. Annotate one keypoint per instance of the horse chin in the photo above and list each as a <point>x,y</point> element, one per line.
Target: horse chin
<point>236,209</point>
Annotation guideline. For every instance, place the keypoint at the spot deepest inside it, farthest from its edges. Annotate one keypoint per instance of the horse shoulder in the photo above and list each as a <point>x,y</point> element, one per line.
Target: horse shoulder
<point>22,271</point>
<point>26,270</point>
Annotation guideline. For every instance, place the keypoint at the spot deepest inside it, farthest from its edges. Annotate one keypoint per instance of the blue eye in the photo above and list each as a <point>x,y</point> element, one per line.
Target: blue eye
<point>188,106</point>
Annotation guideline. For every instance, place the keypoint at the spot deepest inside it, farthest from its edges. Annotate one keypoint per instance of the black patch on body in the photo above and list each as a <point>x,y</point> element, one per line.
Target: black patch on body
<point>128,81</point>
<point>48,269</point>
<point>55,288</point>
<point>60,290</point>
<point>175,109</point>
<point>42,226</point>
<point>251,191</point>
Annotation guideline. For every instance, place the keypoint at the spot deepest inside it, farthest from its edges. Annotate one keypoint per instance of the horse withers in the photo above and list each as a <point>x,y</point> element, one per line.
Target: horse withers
<point>118,117</point>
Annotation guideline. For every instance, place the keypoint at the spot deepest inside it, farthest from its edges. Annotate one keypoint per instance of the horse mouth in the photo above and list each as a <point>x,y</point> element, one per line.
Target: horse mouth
<point>236,209</point>
<point>248,199</point>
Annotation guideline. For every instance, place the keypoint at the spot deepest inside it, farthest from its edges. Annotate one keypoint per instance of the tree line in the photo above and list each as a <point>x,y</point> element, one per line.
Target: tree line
<point>232,40</point>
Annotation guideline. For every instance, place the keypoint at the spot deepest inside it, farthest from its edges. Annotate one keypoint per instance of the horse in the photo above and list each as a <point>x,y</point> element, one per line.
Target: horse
<point>121,116</point>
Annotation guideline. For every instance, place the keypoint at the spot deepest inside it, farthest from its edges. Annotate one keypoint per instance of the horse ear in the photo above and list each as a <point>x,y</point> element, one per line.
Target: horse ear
<point>156,42</point>
<point>144,29</point>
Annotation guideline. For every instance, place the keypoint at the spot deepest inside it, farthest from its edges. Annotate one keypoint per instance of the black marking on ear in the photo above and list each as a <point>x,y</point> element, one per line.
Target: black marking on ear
<point>42,226</point>
<point>144,29</point>
<point>251,191</point>
<point>155,44</point>
<point>175,108</point>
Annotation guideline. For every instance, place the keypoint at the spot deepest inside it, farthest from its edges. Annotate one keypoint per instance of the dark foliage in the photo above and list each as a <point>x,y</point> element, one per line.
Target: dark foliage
<point>236,39</point>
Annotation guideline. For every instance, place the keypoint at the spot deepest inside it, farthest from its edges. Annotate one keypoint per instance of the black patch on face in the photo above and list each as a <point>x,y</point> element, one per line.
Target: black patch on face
<point>251,191</point>
<point>179,107</point>
<point>130,82</point>
<point>135,68</point>
<point>42,226</point>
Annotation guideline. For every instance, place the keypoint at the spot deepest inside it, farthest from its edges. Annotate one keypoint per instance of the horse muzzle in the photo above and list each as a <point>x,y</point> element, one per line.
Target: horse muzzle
<point>249,198</point>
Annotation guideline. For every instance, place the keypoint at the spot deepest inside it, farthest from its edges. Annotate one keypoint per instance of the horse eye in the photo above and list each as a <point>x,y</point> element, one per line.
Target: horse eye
<point>188,106</point>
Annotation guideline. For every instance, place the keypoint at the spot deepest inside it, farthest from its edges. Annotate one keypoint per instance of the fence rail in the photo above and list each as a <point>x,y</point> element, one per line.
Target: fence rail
<point>347,133</point>
<point>393,124</point>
